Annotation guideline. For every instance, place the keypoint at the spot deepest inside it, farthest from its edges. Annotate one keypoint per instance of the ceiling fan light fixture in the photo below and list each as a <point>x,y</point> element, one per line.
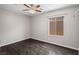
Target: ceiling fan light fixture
<point>32,11</point>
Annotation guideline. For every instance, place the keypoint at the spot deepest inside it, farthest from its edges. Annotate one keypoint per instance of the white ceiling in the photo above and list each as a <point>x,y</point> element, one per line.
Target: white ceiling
<point>46,7</point>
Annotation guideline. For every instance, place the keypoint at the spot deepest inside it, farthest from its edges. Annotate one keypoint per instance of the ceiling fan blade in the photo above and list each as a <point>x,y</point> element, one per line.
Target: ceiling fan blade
<point>27,6</point>
<point>26,9</point>
<point>31,5</point>
<point>37,6</point>
<point>38,10</point>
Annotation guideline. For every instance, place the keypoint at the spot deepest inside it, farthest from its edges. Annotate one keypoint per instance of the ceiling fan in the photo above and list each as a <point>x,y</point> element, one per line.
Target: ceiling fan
<point>32,7</point>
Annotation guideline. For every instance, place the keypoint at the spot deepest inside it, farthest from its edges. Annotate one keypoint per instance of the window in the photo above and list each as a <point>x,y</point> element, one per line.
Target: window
<point>56,26</point>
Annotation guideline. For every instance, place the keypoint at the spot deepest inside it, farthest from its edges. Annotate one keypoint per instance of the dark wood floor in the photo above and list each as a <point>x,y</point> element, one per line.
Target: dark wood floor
<point>34,47</point>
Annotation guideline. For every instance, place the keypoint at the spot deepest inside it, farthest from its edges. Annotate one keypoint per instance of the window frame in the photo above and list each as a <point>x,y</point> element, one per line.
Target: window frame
<point>55,26</point>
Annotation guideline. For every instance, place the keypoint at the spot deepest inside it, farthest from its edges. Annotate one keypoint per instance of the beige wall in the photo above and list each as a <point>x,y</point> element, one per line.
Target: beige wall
<point>13,27</point>
<point>71,28</point>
